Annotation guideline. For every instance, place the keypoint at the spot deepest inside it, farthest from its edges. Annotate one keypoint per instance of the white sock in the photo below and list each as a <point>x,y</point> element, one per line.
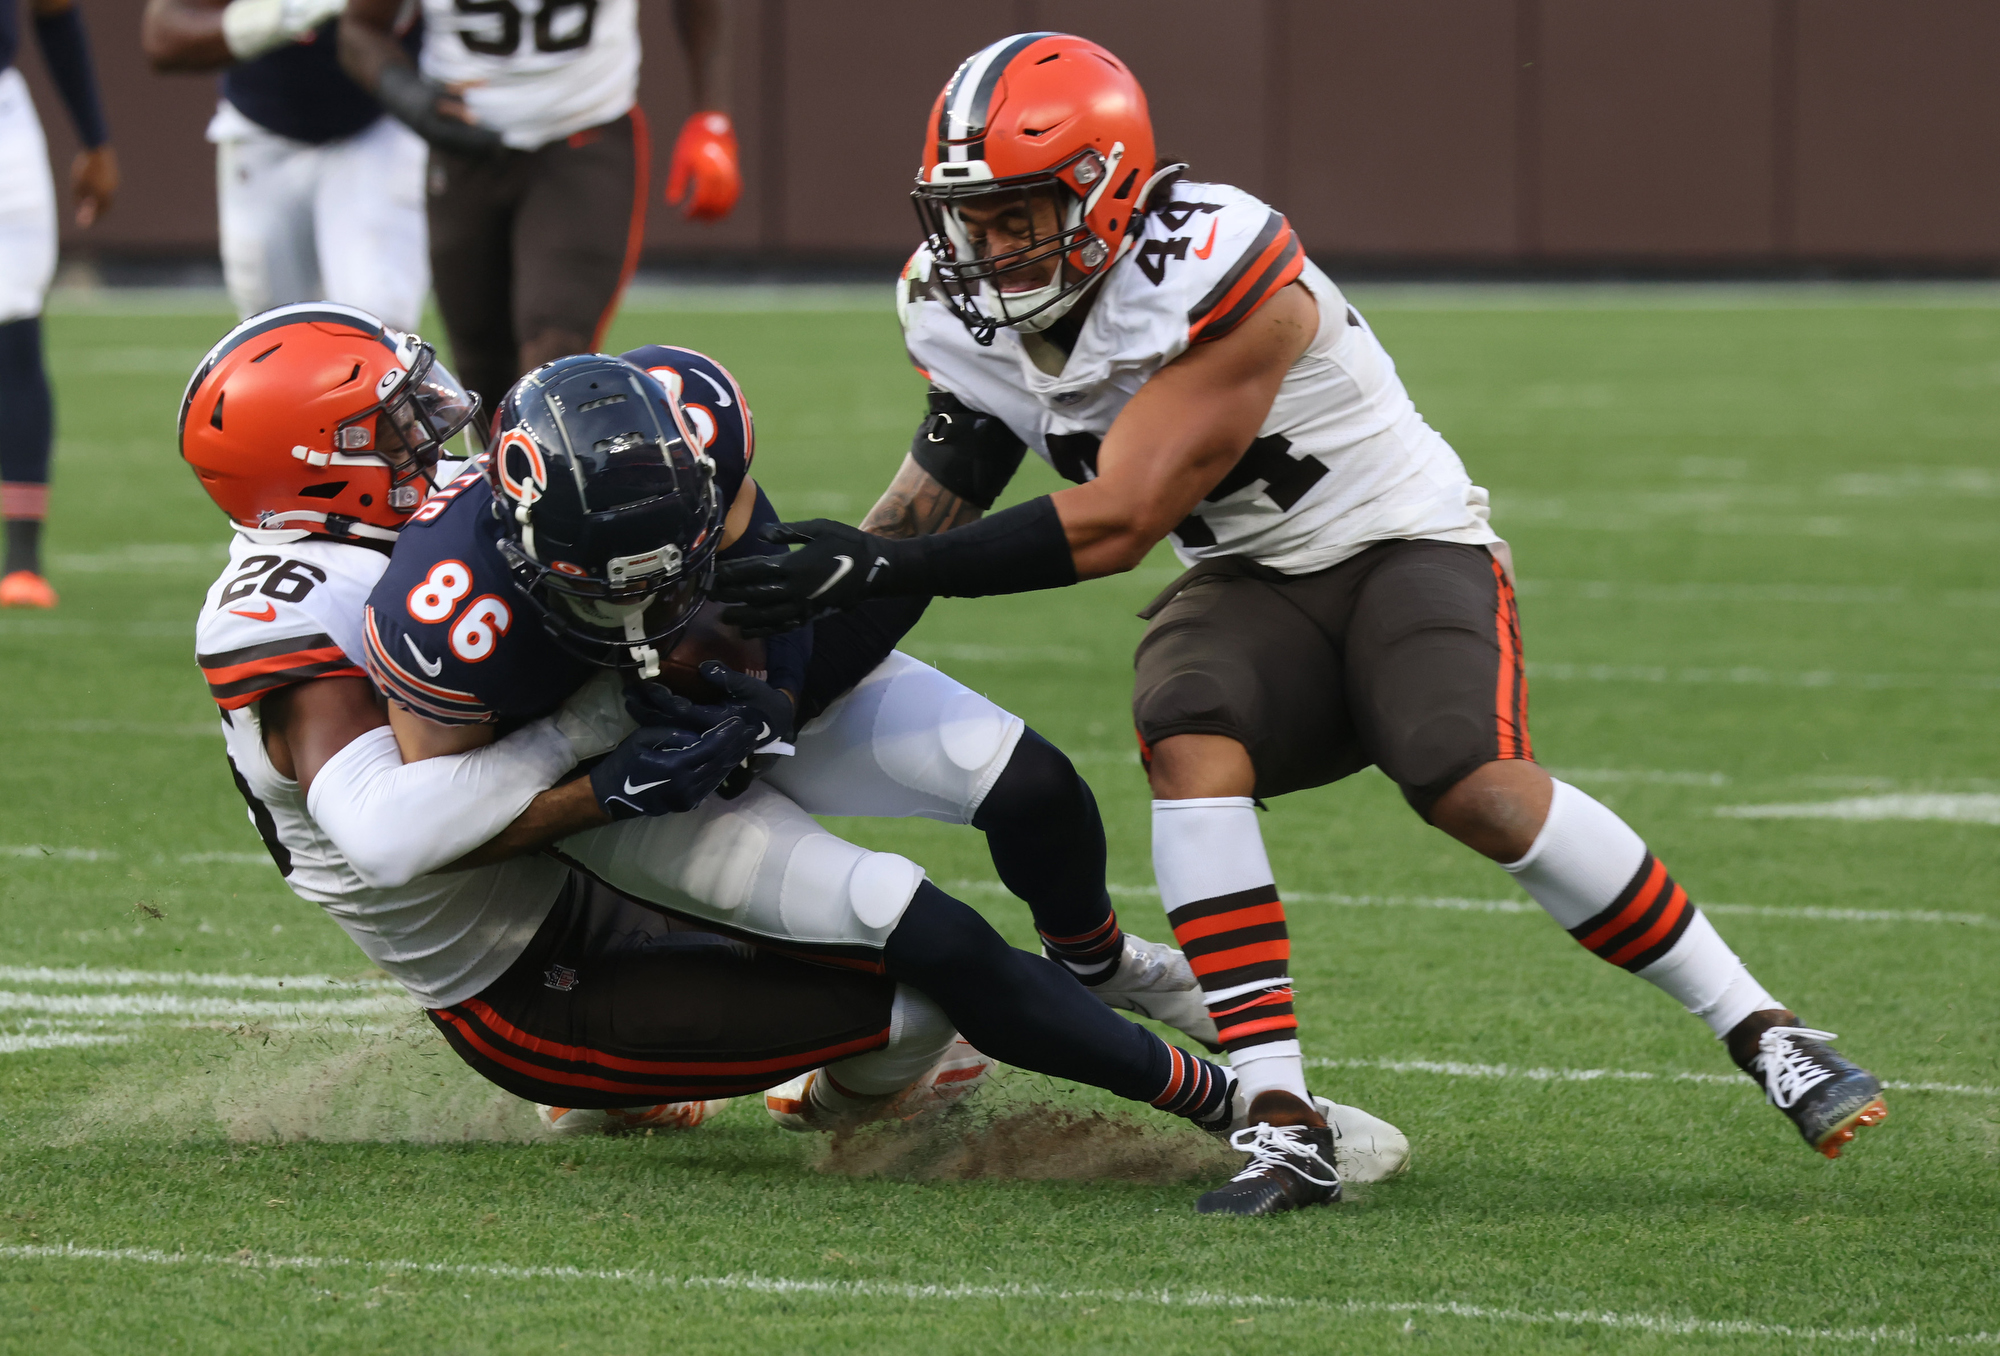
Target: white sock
<point>1596,878</point>
<point>1220,897</point>
<point>919,1034</point>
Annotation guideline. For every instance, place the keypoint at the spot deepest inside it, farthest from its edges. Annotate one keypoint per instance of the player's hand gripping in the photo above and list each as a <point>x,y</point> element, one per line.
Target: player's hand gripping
<point>678,755</point>
<point>704,169</point>
<point>835,568</point>
<point>435,112</point>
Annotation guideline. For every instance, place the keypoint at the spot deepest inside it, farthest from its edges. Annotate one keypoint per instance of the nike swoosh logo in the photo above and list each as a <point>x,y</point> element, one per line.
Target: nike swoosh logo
<point>1208,245</point>
<point>269,612</point>
<point>431,667</point>
<point>846,564</point>
<point>632,790</point>
<point>721,396</point>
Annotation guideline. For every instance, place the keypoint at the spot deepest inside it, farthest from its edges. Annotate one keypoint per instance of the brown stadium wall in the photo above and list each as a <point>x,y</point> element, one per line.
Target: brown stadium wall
<point>1677,135</point>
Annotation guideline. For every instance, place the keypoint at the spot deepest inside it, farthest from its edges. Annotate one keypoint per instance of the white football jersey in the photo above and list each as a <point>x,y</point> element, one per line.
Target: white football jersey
<point>536,70</point>
<point>1343,460</point>
<point>290,612</point>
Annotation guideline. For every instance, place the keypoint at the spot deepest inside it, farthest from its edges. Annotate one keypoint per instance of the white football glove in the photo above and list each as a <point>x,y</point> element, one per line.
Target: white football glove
<point>254,27</point>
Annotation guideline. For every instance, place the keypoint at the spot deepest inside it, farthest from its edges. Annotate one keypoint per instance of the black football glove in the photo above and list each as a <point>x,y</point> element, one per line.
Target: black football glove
<point>835,567</point>
<point>757,703</point>
<point>413,99</point>
<point>667,769</point>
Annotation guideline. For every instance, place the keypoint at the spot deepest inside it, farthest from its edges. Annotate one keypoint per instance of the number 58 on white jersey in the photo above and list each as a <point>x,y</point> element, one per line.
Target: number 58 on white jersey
<point>536,70</point>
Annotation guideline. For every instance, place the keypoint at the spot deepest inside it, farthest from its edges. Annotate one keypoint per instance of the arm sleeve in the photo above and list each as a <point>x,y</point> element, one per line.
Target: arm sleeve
<point>848,645</point>
<point>971,454</point>
<point>66,49</point>
<point>395,821</point>
<point>787,655</point>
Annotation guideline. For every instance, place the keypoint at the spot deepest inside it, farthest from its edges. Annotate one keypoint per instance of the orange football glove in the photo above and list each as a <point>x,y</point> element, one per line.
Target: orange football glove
<point>704,168</point>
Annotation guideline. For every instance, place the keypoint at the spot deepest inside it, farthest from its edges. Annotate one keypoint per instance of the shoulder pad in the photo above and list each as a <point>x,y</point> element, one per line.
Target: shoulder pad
<point>270,621</point>
<point>1220,254</point>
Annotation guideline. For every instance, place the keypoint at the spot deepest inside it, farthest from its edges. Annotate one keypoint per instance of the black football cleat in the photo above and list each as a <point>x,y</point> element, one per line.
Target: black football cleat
<point>1291,1161</point>
<point>1827,1095</point>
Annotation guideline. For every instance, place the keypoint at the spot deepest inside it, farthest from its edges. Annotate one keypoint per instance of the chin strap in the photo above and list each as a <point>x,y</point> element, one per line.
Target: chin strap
<point>343,527</point>
<point>647,657</point>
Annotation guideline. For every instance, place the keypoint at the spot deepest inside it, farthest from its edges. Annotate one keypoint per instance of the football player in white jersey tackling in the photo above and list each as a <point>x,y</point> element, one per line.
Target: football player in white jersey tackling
<point>1166,345</point>
<point>540,160</point>
<point>701,945</point>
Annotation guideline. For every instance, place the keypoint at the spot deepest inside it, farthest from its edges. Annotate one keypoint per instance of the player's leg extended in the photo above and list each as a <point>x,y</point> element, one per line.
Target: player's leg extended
<point>470,210</point>
<point>582,220</point>
<point>908,740</point>
<point>368,222</point>
<point>264,190</point>
<point>27,263</point>
<point>759,867</point>
<point>1449,707</point>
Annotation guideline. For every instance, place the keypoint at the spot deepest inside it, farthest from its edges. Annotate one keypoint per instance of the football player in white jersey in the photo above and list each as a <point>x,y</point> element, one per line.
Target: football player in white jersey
<point>766,949</point>
<point>318,194</point>
<point>540,161</point>
<point>1166,345</point>
<point>28,263</point>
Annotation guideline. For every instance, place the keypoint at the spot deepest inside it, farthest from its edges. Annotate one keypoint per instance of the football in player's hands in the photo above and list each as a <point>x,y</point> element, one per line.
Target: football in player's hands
<point>708,637</point>
<point>663,769</point>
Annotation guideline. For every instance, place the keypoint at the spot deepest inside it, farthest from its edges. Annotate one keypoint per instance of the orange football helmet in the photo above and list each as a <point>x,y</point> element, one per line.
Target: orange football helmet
<point>316,417</point>
<point>1036,113</point>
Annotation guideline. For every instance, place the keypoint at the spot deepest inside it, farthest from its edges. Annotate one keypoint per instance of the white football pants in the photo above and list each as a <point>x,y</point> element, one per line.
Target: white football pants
<point>342,221</point>
<point>907,741</point>
<point>27,204</point>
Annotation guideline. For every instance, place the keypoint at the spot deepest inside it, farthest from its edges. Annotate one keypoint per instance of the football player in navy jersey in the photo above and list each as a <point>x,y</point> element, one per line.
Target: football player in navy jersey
<point>318,193</point>
<point>568,552</point>
<point>28,263</point>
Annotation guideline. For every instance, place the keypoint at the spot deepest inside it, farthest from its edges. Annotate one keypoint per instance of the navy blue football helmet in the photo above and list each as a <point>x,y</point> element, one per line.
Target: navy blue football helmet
<point>609,514</point>
<point>717,414</point>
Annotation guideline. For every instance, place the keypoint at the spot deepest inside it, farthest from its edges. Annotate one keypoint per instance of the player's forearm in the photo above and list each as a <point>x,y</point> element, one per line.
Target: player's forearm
<point>368,41</point>
<point>550,817</point>
<point>184,35</point>
<point>915,505</point>
<point>699,23</point>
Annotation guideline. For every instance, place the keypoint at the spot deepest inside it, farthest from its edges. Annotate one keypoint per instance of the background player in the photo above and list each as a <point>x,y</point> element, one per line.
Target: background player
<point>1168,346</point>
<point>456,908</point>
<point>28,263</point>
<point>319,196</point>
<point>539,165</point>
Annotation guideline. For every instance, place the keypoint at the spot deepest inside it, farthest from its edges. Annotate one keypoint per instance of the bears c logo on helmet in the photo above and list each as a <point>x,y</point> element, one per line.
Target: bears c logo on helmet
<point>523,473</point>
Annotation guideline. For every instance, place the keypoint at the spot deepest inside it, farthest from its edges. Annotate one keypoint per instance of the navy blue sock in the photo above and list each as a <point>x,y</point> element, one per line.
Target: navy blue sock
<point>1024,1010</point>
<point>1047,839</point>
<point>28,418</point>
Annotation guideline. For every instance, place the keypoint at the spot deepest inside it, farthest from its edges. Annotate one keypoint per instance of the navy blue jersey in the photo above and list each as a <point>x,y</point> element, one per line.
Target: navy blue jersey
<point>10,32</point>
<point>447,635</point>
<point>300,91</point>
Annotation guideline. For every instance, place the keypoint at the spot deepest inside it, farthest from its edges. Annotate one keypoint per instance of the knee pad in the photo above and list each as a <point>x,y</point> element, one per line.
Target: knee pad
<point>1039,781</point>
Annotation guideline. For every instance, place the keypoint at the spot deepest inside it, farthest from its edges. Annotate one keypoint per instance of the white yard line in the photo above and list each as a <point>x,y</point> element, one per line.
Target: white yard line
<point>91,976</point>
<point>172,1005</point>
<point>1807,912</point>
<point>1668,1324</point>
<point>1456,1069</point>
<point>1750,675</point>
<point>1934,806</point>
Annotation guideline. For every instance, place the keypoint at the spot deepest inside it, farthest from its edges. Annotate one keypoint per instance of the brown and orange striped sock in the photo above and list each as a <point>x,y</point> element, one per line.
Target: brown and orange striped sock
<point>1216,883</point>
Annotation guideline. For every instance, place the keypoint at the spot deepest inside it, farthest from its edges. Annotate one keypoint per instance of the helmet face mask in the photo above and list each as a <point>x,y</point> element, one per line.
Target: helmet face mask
<point>608,521</point>
<point>984,287</point>
<point>422,407</point>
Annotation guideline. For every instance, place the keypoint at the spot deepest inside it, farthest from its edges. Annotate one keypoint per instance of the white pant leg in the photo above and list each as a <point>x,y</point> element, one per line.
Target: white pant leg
<point>27,204</point>
<point>369,227</point>
<point>907,741</point>
<point>757,864</point>
<point>264,190</point>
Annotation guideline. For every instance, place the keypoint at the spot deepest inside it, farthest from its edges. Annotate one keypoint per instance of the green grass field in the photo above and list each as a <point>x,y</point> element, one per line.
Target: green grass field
<point>1757,537</point>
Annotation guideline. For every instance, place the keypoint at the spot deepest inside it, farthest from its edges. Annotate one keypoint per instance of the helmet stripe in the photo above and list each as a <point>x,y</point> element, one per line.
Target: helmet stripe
<point>968,99</point>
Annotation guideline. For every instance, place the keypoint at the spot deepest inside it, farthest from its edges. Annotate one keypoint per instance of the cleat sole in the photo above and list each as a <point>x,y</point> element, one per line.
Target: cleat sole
<point>1843,1134</point>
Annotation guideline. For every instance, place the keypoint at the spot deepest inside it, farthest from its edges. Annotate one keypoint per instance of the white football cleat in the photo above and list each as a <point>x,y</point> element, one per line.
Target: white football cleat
<point>1366,1148</point>
<point>628,1120</point>
<point>816,1102</point>
<point>1153,980</point>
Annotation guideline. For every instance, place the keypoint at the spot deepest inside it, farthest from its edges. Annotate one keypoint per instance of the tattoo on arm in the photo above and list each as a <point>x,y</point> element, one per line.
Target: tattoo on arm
<point>915,505</point>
